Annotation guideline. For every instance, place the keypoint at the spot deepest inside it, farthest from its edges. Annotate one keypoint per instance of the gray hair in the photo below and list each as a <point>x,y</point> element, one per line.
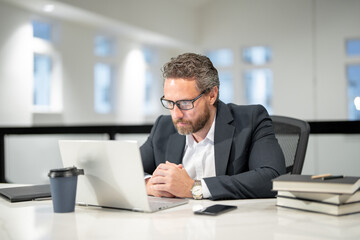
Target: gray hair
<point>193,66</point>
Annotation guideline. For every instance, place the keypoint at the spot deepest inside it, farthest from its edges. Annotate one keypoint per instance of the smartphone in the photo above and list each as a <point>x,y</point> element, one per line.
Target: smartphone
<point>215,209</point>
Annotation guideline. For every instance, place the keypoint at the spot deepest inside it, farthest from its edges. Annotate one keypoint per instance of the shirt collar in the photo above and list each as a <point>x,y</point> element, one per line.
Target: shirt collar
<point>190,141</point>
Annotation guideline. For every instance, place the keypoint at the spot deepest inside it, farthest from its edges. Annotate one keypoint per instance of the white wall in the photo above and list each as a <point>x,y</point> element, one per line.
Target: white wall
<point>285,26</point>
<point>336,21</point>
<point>74,51</point>
<point>335,154</point>
<point>129,90</point>
<point>308,42</point>
<point>170,18</point>
<point>15,67</point>
<point>307,38</point>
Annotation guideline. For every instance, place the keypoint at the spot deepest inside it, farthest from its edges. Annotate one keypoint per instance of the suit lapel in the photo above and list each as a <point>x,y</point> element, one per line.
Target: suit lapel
<point>175,148</point>
<point>224,133</point>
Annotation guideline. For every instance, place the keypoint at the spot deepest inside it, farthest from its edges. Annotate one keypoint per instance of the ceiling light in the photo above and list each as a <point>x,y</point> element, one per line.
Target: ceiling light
<point>48,8</point>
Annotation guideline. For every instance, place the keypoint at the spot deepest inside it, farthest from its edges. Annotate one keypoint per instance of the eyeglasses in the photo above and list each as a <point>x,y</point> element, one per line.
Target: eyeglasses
<point>182,104</point>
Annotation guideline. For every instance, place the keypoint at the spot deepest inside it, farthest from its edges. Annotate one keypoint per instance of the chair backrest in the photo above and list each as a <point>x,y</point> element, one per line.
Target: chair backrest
<point>293,136</point>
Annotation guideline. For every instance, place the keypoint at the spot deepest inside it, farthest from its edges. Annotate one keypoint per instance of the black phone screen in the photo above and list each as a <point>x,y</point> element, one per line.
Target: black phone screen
<point>215,209</point>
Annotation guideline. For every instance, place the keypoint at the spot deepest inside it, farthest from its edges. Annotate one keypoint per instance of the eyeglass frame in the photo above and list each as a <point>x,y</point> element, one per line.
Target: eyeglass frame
<point>178,104</point>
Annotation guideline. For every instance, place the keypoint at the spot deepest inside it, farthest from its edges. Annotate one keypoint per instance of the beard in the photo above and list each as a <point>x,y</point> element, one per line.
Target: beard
<point>192,126</point>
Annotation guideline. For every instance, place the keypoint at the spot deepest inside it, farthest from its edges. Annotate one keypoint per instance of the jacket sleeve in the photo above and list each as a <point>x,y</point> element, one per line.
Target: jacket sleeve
<point>265,161</point>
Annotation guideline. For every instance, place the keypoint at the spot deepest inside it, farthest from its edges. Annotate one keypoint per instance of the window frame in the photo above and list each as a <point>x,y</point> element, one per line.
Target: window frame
<point>110,60</point>
<point>49,48</point>
<point>225,69</point>
<point>350,60</point>
<point>248,66</point>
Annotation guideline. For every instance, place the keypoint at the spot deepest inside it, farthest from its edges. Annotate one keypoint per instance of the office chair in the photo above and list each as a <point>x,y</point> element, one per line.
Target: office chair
<point>293,135</point>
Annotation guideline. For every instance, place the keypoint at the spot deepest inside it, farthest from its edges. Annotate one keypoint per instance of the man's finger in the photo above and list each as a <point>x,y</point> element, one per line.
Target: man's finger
<point>160,187</point>
<point>159,172</point>
<point>173,164</point>
<point>166,166</point>
<point>158,180</point>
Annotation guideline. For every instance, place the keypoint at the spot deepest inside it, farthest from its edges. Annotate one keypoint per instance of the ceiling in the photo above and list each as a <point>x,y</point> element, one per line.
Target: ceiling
<point>67,12</point>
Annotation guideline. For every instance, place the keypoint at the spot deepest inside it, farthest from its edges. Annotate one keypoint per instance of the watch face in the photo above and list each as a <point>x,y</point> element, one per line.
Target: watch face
<point>196,190</point>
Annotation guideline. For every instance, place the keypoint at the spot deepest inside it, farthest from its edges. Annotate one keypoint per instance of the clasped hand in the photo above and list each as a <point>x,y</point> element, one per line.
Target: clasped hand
<point>169,180</point>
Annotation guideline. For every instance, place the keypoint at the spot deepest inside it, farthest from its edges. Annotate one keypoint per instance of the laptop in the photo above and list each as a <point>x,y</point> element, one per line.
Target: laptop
<point>26,193</point>
<point>114,176</point>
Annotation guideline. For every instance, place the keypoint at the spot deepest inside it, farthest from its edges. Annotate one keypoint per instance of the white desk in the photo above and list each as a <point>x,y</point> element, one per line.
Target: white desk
<point>254,219</point>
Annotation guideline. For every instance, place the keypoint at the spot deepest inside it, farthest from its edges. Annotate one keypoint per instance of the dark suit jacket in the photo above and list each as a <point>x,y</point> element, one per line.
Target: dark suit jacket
<point>247,154</point>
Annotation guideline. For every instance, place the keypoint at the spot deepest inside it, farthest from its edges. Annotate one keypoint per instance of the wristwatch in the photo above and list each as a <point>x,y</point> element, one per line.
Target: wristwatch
<point>196,190</point>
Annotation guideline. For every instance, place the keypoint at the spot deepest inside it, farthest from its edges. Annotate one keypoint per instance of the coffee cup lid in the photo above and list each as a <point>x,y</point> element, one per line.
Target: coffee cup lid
<point>65,172</point>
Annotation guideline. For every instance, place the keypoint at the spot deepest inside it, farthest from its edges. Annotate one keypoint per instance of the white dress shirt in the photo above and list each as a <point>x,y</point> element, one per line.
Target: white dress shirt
<point>199,158</point>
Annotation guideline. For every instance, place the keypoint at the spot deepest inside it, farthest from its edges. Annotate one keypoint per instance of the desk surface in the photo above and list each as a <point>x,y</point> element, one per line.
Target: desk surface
<point>254,219</point>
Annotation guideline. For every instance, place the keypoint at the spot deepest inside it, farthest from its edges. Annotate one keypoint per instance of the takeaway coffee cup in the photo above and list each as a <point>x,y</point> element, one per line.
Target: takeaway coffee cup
<point>63,182</point>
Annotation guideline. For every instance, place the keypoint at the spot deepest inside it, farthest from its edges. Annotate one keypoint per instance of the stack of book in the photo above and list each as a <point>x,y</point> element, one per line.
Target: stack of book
<point>334,195</point>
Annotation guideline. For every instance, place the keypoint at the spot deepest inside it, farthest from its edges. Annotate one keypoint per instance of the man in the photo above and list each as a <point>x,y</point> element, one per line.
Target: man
<point>208,149</point>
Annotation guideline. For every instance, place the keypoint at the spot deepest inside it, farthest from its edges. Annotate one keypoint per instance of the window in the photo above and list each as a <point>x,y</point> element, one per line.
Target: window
<point>149,79</point>
<point>227,92</point>
<point>103,79</point>
<point>257,55</point>
<point>258,82</point>
<point>353,78</point>
<point>45,79</point>
<point>149,55</point>
<point>152,96</point>
<point>353,47</point>
<point>104,46</point>
<point>104,49</point>
<point>41,30</point>
<point>257,79</point>
<point>42,80</point>
<point>223,60</point>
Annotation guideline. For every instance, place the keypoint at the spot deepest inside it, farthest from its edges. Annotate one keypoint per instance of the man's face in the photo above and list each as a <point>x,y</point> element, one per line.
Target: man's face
<point>187,121</point>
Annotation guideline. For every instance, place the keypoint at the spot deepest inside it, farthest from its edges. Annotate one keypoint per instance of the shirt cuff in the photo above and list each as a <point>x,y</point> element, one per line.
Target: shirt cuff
<point>205,189</point>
